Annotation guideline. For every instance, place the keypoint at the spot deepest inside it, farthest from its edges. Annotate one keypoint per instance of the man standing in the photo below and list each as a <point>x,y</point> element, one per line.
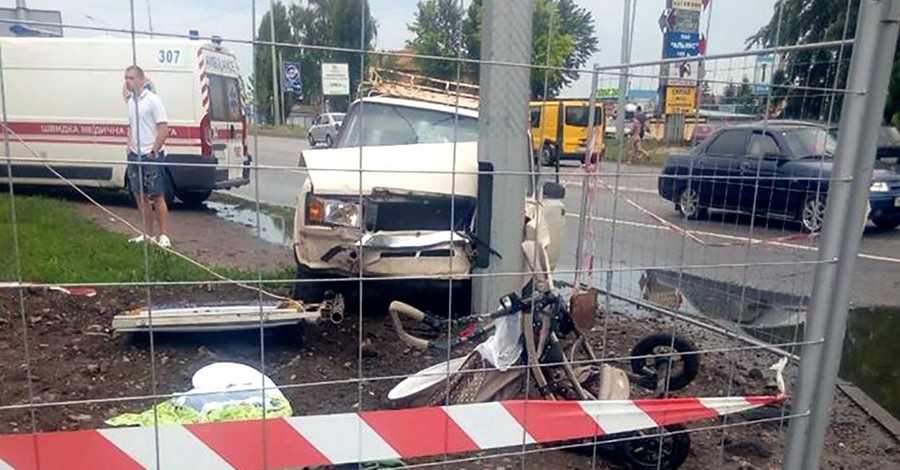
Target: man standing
<point>147,132</point>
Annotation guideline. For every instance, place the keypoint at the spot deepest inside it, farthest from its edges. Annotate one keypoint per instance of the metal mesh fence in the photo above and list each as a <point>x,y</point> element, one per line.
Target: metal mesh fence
<point>355,218</point>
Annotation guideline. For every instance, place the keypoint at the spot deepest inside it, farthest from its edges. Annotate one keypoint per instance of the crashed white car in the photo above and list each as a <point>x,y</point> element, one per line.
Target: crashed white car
<point>396,197</point>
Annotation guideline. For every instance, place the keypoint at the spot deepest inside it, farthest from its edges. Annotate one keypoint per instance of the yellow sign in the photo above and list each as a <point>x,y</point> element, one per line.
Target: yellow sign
<point>680,100</point>
<point>695,5</point>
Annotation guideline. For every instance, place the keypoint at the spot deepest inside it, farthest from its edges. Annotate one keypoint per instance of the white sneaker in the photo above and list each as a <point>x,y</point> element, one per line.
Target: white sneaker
<point>140,239</point>
<point>164,241</point>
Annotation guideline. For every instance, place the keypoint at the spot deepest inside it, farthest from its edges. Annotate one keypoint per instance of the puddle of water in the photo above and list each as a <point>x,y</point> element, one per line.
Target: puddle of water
<point>272,228</point>
<point>870,349</point>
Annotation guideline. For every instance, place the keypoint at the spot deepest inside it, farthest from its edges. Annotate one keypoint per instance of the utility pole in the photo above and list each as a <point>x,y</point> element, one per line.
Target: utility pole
<point>623,77</point>
<point>503,141</point>
<point>870,70</point>
<point>276,101</point>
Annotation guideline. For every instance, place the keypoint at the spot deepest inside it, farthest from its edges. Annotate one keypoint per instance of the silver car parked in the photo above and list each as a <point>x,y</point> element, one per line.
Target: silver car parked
<point>325,128</point>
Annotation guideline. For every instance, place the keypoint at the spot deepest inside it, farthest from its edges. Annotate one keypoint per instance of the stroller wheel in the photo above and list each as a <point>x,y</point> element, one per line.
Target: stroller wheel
<point>682,364</point>
<point>665,452</point>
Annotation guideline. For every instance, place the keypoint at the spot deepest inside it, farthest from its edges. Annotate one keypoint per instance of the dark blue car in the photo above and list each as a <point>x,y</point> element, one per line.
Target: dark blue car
<point>774,170</point>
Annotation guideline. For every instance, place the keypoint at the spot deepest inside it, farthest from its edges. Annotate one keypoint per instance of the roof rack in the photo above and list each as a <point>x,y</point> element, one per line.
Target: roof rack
<point>397,84</point>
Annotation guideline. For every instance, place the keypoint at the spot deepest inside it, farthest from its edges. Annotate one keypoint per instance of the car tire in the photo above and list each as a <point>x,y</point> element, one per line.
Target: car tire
<point>312,141</point>
<point>885,223</point>
<point>307,287</point>
<point>684,355</point>
<point>193,198</point>
<point>328,140</point>
<point>548,155</point>
<point>688,204</point>
<point>811,213</point>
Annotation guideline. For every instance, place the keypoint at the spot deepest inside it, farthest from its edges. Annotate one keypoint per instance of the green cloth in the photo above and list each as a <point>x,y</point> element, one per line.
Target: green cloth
<point>168,412</point>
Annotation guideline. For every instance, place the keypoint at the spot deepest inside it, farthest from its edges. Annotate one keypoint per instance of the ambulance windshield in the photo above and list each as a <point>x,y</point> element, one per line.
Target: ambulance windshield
<point>225,98</point>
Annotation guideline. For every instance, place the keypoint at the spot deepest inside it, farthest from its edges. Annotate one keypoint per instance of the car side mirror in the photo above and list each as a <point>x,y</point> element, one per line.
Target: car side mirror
<point>553,190</point>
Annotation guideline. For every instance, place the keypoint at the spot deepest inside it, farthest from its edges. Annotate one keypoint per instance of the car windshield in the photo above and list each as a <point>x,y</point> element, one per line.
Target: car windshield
<point>888,136</point>
<point>810,142</point>
<point>374,124</point>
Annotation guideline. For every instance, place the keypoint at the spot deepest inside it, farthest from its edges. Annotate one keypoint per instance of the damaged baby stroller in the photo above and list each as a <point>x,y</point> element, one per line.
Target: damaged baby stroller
<point>538,349</point>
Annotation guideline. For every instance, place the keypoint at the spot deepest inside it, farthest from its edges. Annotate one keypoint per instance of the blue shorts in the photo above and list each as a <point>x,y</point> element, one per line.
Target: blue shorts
<point>148,178</point>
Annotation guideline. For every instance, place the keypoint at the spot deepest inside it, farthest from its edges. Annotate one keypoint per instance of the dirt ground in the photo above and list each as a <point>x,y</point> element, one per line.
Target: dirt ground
<point>199,234</point>
<point>73,357</point>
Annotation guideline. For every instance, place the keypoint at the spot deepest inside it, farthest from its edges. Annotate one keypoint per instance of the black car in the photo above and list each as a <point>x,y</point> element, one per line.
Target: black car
<point>774,169</point>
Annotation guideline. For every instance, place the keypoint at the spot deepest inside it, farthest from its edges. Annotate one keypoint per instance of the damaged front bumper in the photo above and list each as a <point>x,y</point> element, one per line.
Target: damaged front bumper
<point>440,254</point>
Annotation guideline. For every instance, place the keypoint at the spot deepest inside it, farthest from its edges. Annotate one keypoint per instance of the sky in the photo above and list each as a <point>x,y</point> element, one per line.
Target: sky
<point>732,21</point>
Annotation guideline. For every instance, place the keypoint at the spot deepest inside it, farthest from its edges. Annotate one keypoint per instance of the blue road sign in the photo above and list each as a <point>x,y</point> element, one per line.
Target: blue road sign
<point>682,44</point>
<point>292,78</point>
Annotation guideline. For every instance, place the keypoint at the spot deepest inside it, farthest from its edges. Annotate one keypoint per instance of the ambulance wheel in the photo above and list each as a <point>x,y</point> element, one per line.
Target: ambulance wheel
<point>312,141</point>
<point>193,198</point>
<point>328,141</point>
<point>169,192</point>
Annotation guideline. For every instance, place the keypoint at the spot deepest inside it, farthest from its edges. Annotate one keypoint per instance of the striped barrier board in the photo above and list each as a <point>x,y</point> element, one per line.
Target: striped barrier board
<point>355,437</point>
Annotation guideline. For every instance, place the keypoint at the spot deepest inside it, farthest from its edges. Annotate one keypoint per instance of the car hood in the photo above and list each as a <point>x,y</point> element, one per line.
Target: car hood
<point>444,168</point>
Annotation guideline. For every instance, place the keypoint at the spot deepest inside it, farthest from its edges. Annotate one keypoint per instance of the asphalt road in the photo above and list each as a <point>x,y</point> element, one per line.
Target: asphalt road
<point>737,250</point>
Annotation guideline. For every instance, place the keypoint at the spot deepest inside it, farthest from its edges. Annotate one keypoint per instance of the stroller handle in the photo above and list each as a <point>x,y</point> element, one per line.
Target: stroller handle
<point>399,308</point>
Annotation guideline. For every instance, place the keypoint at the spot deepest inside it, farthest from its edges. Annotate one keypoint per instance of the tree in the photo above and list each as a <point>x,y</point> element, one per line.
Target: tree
<point>322,24</point>
<point>812,21</point>
<point>562,37</point>
<point>263,65</point>
<point>438,32</point>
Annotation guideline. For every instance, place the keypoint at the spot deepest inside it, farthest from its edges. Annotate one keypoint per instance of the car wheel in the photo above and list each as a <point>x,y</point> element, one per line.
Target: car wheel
<point>312,141</point>
<point>688,204</point>
<point>812,213</point>
<point>885,223</point>
<point>328,140</point>
<point>548,155</point>
<point>307,287</point>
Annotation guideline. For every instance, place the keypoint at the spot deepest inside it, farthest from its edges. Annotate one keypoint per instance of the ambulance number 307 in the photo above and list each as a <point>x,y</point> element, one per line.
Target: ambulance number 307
<point>168,56</point>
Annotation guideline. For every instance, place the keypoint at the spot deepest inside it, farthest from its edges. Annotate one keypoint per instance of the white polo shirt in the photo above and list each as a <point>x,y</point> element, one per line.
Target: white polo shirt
<point>143,120</point>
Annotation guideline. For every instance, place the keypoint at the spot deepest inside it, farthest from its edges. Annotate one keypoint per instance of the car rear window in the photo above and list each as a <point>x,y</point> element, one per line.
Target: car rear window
<point>728,143</point>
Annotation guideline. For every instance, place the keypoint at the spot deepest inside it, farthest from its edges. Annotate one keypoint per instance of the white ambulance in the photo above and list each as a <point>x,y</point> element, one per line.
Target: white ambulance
<point>65,109</point>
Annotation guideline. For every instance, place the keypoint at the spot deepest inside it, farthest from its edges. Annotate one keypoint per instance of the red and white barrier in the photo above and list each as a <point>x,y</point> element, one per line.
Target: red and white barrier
<point>355,437</point>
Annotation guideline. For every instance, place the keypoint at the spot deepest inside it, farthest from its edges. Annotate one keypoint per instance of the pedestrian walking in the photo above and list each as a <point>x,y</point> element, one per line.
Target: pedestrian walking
<point>147,132</point>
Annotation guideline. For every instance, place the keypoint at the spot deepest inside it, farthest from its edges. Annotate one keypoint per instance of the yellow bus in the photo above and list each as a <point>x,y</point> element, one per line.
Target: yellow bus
<point>559,128</point>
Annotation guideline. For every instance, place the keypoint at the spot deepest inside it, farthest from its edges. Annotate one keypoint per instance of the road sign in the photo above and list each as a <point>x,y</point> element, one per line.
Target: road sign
<point>335,79</point>
<point>762,74</point>
<point>607,93</point>
<point>696,5</point>
<point>685,73</point>
<point>682,45</point>
<point>680,100</point>
<point>685,21</point>
<point>292,79</point>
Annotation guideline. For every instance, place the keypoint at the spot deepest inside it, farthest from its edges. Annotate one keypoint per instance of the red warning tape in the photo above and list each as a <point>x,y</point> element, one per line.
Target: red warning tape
<point>356,437</point>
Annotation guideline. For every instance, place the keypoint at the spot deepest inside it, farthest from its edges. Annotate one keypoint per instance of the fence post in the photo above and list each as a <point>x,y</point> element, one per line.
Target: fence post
<point>502,121</point>
<point>623,81</point>
<point>870,69</point>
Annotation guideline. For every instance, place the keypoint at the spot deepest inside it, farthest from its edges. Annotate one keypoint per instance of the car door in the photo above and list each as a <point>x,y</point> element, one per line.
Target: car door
<point>721,185</point>
<point>762,192</point>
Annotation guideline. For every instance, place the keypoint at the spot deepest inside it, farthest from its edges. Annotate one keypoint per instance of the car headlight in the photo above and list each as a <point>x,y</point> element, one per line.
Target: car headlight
<point>320,211</point>
<point>879,187</point>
